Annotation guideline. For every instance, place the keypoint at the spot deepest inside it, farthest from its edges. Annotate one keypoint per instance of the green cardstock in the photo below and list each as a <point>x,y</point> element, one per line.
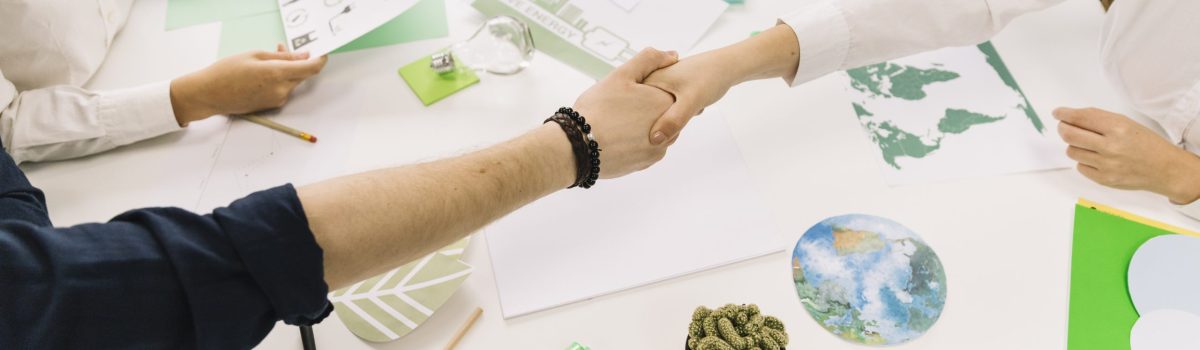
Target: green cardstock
<point>431,87</point>
<point>184,13</point>
<point>1101,311</point>
<point>425,20</point>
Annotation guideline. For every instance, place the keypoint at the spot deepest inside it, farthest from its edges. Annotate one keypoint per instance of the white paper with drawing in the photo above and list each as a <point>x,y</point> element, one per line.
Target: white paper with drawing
<point>321,26</point>
<point>949,114</point>
<point>696,210</point>
<point>596,35</point>
<point>256,158</point>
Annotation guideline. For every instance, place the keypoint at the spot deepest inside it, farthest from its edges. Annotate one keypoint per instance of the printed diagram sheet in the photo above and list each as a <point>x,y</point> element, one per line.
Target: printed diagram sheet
<point>596,35</point>
<point>321,26</point>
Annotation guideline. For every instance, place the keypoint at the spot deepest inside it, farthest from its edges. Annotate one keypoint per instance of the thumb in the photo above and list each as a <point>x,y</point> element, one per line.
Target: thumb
<point>644,63</point>
<point>670,123</point>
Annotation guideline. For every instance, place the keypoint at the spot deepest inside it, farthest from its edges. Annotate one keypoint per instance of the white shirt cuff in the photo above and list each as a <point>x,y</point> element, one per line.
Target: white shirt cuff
<point>135,114</point>
<point>824,37</point>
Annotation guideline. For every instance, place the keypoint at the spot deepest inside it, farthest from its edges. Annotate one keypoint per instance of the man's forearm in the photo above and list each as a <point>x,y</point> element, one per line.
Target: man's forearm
<point>371,222</point>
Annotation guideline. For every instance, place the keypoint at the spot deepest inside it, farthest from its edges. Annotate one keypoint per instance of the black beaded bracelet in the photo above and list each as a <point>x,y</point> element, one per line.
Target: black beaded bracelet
<point>583,144</point>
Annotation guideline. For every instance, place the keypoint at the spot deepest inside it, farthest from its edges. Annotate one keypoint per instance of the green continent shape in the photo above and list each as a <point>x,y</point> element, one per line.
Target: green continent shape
<point>893,141</point>
<point>993,58</point>
<point>957,121</point>
<point>907,82</point>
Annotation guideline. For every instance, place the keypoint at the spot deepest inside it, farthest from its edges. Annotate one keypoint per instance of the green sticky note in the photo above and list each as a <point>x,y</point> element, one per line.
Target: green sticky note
<point>431,87</point>
<point>184,13</point>
<point>425,20</point>
<point>1101,312</point>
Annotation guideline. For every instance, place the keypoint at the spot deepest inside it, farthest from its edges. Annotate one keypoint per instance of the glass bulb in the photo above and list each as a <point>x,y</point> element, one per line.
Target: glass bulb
<point>502,46</point>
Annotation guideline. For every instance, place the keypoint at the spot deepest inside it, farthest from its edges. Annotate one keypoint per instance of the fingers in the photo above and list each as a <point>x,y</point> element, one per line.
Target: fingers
<point>1092,119</point>
<point>672,121</point>
<point>303,69</point>
<point>1083,156</point>
<point>281,55</point>
<point>1080,137</point>
<point>1091,173</point>
<point>646,62</point>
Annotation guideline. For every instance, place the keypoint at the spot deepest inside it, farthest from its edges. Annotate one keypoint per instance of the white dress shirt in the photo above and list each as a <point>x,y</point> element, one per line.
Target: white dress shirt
<point>50,48</point>
<point>1149,49</point>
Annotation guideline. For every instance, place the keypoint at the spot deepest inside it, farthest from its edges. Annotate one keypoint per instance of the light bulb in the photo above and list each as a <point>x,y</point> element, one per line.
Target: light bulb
<point>502,46</point>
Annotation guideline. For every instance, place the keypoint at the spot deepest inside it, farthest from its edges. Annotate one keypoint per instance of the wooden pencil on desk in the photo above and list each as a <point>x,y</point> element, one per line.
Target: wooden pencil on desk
<point>462,331</point>
<point>280,127</point>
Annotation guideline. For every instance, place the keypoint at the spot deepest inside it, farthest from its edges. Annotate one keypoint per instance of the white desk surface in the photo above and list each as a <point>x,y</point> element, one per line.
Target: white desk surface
<point>1004,241</point>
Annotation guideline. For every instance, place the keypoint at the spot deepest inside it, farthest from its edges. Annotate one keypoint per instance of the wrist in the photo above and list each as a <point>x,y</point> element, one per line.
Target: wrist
<point>559,160</point>
<point>1186,183</point>
<point>773,53</point>
<point>187,100</point>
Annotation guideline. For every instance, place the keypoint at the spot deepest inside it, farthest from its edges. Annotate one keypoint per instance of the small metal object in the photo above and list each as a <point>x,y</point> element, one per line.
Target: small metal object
<point>442,63</point>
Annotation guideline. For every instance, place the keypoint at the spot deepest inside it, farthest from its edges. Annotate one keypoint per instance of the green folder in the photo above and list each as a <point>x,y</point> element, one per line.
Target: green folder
<point>1101,311</point>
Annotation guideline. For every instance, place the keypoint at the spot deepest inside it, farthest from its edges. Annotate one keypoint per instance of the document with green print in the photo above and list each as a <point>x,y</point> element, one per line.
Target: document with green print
<point>950,114</point>
<point>594,36</point>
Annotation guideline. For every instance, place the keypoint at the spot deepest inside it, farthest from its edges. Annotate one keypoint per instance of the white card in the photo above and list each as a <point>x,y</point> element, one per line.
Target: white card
<point>1165,330</point>
<point>321,26</point>
<point>1164,273</point>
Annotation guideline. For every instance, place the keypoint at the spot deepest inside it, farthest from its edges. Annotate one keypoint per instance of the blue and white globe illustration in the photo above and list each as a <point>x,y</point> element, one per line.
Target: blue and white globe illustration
<point>868,279</point>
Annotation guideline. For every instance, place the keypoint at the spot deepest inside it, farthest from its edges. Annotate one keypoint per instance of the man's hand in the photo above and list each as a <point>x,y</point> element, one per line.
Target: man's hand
<point>621,110</point>
<point>696,82</point>
<point>1115,151</point>
<point>244,83</point>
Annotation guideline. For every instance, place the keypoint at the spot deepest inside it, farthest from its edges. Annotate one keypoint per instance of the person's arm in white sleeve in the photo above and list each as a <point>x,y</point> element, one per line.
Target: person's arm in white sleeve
<point>825,36</point>
<point>61,122</point>
<point>64,122</point>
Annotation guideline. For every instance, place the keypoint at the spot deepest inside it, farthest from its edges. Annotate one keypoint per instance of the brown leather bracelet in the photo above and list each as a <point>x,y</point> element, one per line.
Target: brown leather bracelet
<point>578,146</point>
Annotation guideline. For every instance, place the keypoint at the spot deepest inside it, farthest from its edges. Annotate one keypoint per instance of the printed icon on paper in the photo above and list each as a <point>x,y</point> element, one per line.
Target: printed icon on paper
<point>336,23</point>
<point>297,18</point>
<point>605,44</point>
<point>302,40</point>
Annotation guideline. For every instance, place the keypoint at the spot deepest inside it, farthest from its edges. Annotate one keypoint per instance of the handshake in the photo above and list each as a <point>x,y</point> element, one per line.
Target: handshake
<point>639,109</point>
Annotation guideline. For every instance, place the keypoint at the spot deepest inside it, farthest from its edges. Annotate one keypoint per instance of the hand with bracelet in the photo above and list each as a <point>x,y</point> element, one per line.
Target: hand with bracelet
<point>277,253</point>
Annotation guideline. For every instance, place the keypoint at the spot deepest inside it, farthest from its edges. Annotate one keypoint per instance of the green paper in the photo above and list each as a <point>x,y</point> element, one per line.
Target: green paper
<point>425,20</point>
<point>389,306</point>
<point>257,32</point>
<point>431,87</point>
<point>184,13</point>
<point>1101,311</point>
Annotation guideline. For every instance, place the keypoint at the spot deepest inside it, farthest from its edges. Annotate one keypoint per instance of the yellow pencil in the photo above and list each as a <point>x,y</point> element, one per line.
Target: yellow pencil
<point>280,127</point>
<point>465,327</point>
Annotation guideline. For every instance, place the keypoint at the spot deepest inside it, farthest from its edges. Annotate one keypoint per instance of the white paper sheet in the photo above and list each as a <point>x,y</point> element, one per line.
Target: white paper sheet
<point>950,114</point>
<point>697,209</point>
<point>1164,273</point>
<point>321,26</point>
<point>256,158</point>
<point>1165,330</point>
<point>628,5</point>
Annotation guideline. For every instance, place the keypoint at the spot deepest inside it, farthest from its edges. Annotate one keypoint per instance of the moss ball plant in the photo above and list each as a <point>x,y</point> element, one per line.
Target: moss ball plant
<point>735,327</point>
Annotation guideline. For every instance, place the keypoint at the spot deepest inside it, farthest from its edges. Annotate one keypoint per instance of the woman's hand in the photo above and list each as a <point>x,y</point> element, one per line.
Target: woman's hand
<point>695,85</point>
<point>621,111</point>
<point>1115,151</point>
<point>243,83</point>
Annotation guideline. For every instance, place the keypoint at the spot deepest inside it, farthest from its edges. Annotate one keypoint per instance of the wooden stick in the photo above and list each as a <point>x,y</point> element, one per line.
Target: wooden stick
<point>280,127</point>
<point>462,331</point>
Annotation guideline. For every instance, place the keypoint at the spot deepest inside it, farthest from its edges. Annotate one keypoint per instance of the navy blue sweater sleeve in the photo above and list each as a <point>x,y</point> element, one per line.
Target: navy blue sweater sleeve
<point>159,278</point>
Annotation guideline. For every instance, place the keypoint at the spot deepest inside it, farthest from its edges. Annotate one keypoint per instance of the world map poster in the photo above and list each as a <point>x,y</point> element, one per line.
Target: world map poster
<point>951,114</point>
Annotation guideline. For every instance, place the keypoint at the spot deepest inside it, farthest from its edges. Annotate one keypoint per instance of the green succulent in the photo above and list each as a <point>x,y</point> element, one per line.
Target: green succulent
<point>735,327</point>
